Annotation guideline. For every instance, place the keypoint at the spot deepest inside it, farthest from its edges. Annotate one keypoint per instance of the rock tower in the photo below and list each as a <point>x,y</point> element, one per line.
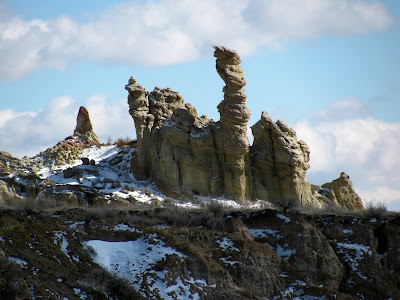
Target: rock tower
<point>185,154</point>
<point>84,128</point>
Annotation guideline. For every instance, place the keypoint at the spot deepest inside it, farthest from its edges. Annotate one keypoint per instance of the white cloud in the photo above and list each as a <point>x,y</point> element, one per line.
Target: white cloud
<point>365,148</point>
<point>173,31</point>
<point>29,133</point>
<point>342,109</point>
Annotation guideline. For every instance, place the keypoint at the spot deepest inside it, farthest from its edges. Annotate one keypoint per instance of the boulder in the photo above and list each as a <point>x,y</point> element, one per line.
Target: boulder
<point>85,160</point>
<point>71,172</point>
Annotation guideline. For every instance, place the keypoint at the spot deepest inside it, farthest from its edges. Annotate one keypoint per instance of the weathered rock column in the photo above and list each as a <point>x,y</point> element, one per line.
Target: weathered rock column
<point>233,144</point>
<point>138,109</point>
<point>84,128</point>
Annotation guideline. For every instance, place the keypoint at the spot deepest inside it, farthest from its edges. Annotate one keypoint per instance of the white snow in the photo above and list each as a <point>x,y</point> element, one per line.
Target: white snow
<point>21,262</point>
<point>348,231</point>
<point>353,253</point>
<point>227,245</point>
<point>283,217</point>
<point>132,259</point>
<point>284,252</point>
<point>60,239</point>
<point>265,233</point>
<point>80,294</point>
<point>124,227</point>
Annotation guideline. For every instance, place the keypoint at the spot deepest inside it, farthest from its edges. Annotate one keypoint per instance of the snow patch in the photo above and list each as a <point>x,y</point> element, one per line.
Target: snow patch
<point>283,217</point>
<point>353,253</point>
<point>132,259</point>
<point>21,262</point>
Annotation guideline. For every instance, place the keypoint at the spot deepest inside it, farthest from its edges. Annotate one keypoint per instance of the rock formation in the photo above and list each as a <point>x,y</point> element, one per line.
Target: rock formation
<point>232,137</point>
<point>84,128</point>
<point>342,191</point>
<point>191,155</point>
<point>280,162</point>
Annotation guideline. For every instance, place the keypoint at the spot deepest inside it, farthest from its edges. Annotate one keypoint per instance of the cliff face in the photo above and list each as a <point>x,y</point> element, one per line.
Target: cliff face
<point>187,154</point>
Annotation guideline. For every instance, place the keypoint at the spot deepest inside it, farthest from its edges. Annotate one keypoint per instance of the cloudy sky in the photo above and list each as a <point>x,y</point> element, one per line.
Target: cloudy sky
<point>328,68</point>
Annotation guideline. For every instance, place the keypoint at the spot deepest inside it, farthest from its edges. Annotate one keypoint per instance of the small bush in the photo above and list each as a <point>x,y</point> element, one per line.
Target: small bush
<point>109,141</point>
<point>121,142</point>
<point>168,202</point>
<point>102,285</point>
<point>287,204</point>
<point>375,210</point>
<point>216,207</point>
<point>178,216</point>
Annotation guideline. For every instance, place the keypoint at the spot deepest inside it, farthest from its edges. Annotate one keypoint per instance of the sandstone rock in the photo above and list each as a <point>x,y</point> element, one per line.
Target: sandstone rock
<point>343,192</point>
<point>185,154</point>
<point>280,162</point>
<point>85,160</point>
<point>84,128</point>
<point>8,195</point>
<point>232,137</point>
<point>92,162</point>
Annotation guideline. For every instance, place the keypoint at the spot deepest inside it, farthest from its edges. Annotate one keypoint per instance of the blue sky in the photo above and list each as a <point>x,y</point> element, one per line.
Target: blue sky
<point>329,68</point>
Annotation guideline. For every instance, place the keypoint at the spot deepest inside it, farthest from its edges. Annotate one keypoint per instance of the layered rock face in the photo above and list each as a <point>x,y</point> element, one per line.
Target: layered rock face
<point>280,162</point>
<point>84,128</point>
<point>175,148</point>
<point>185,153</point>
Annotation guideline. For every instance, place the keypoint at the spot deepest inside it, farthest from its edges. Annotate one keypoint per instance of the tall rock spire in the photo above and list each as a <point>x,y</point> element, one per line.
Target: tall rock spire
<point>232,139</point>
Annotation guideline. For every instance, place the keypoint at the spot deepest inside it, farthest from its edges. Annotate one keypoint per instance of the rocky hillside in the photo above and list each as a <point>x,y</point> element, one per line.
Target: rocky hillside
<point>211,253</point>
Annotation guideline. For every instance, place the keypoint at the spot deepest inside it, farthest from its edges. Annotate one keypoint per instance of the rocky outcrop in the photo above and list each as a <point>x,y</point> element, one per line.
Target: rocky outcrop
<point>190,155</point>
<point>84,128</point>
<point>280,162</point>
<point>341,190</point>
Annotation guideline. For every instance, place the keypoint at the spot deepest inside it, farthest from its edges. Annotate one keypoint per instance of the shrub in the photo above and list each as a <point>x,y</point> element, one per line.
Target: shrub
<point>216,207</point>
<point>286,204</point>
<point>103,285</point>
<point>375,210</point>
<point>121,142</point>
<point>179,216</point>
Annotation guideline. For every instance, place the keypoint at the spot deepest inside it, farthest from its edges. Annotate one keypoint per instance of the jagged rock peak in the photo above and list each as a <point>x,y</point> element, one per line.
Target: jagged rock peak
<point>280,162</point>
<point>84,128</point>
<point>342,191</point>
